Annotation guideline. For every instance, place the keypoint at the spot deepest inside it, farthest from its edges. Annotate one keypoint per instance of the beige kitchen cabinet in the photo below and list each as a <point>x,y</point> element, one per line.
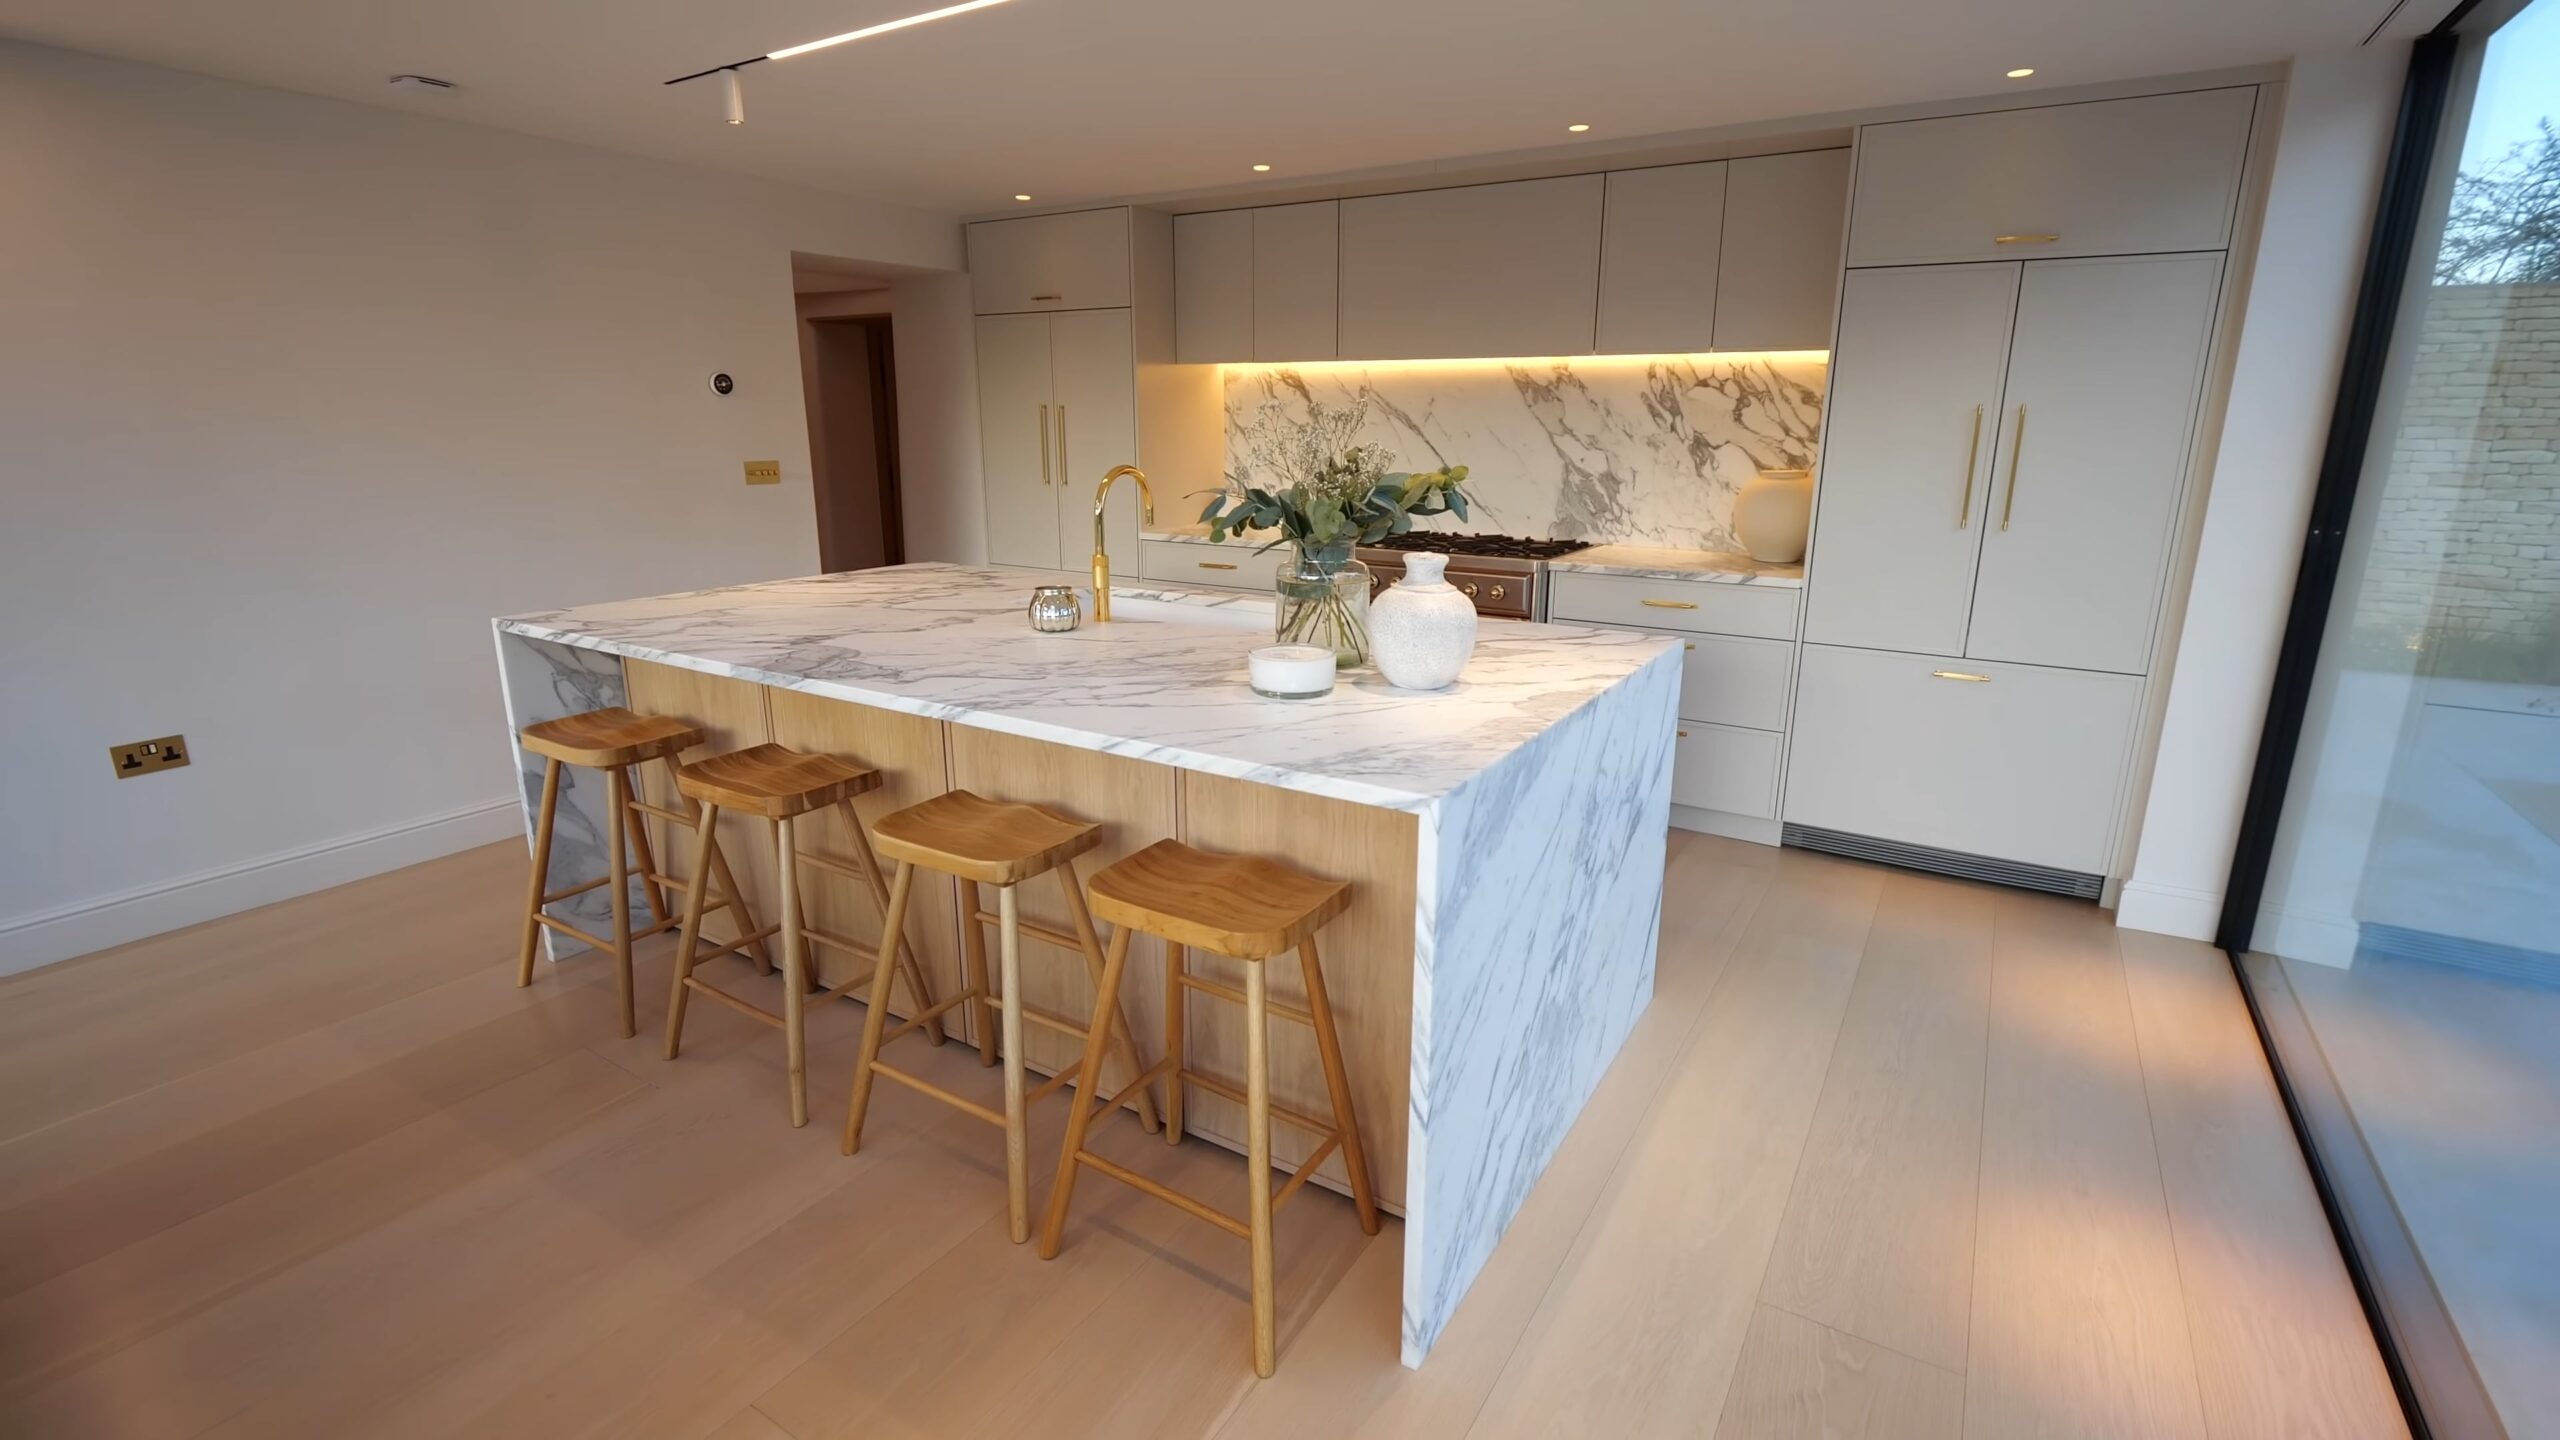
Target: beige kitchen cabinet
<point>1704,606</point>
<point>1057,408</point>
<point>2104,177</point>
<point>2011,762</point>
<point>1907,459</point>
<point>1224,567</point>
<point>1213,286</point>
<point>1779,261</point>
<point>1725,768</point>
<point>1658,259</point>
<point>1508,269</point>
<point>1296,280</point>
<point>2100,409</point>
<point>1074,261</point>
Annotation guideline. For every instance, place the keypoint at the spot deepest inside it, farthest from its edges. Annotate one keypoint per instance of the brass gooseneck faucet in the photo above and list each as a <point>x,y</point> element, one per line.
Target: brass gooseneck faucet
<point>1101,554</point>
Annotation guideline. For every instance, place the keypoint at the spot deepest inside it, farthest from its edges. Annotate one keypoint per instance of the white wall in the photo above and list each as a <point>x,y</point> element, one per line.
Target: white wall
<point>2335,133</point>
<point>939,488</point>
<point>294,396</point>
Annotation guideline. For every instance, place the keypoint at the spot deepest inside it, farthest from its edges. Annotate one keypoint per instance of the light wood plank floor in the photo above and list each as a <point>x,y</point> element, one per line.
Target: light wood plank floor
<point>1888,1156</point>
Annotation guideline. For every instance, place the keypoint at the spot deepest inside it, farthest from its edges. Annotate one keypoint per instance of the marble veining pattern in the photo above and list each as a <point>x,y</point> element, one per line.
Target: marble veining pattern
<point>544,681</point>
<point>950,642</point>
<point>1534,954</point>
<point>1641,450</point>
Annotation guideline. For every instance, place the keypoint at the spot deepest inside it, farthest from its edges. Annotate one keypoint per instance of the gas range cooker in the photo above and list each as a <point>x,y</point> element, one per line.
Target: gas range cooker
<point>1505,575</point>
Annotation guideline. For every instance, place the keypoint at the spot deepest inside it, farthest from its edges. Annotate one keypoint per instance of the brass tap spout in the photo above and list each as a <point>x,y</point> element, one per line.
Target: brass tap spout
<point>1101,554</point>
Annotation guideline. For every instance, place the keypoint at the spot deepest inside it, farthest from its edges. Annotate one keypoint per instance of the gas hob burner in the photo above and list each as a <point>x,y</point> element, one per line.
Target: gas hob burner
<point>1509,547</point>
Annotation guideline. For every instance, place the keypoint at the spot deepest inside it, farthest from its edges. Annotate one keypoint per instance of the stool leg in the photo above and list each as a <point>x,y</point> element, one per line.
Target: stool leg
<point>875,1018</point>
<point>1114,1016</point>
<point>973,952</point>
<point>617,843</point>
<point>650,889</point>
<point>742,916</point>
<point>1337,1083</point>
<point>795,909</point>
<point>1177,1013</point>
<point>795,970</point>
<point>1079,1113</point>
<point>908,964</point>
<point>541,870</point>
<point>706,858</point>
<point>1257,1148</point>
<point>1017,1135</point>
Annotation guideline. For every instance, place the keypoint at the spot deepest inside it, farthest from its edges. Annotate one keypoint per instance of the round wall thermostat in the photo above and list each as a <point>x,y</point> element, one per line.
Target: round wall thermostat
<point>721,383</point>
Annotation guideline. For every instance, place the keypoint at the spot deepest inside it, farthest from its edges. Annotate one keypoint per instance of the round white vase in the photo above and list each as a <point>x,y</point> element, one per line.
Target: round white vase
<point>1772,514</point>
<point>1422,631</point>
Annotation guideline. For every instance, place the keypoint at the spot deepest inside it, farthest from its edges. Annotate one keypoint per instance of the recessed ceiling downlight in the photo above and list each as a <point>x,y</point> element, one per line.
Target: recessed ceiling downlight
<point>1577,129</point>
<point>1024,198</point>
<point>1261,169</point>
<point>2022,72</point>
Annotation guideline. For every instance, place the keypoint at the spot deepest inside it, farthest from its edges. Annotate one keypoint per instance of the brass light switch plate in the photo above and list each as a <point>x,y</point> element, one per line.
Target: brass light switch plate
<point>764,472</point>
<point>149,757</point>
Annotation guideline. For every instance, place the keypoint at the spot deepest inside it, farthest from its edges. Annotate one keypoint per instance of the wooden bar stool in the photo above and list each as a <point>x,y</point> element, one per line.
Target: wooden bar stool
<point>1248,909</point>
<point>613,741</point>
<point>782,785</point>
<point>985,842</point>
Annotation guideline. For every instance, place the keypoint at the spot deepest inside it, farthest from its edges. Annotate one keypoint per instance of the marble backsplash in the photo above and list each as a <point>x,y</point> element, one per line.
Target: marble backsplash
<point>1631,450</point>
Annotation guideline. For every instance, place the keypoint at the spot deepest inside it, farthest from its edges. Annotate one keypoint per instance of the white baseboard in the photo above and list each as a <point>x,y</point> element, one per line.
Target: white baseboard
<point>1724,822</point>
<point>2169,910</point>
<point>47,936</point>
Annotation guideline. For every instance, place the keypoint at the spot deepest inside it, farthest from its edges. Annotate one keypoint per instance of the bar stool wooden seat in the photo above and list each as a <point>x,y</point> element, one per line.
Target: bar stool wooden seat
<point>1245,908</point>
<point>782,785</point>
<point>986,842</point>
<point>612,740</point>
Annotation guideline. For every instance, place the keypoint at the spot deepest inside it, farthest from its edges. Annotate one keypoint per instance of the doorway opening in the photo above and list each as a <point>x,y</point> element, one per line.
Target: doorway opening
<point>849,380</point>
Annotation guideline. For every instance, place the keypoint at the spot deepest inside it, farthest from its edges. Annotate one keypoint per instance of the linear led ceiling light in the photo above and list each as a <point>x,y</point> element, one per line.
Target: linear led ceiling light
<point>848,37</point>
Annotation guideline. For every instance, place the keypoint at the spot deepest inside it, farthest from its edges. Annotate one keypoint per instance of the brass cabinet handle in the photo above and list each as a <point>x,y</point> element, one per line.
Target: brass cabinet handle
<point>1690,645</point>
<point>1961,675</point>
<point>1497,592</point>
<point>1215,565</point>
<point>1972,452</point>
<point>1062,442</point>
<point>2024,239</point>
<point>1044,444</point>
<point>1053,299</point>
<point>1683,734</point>
<point>2017,443</point>
<point>1673,604</point>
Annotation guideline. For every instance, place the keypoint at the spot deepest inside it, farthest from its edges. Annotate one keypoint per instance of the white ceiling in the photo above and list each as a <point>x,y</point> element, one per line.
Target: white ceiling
<point>1073,100</point>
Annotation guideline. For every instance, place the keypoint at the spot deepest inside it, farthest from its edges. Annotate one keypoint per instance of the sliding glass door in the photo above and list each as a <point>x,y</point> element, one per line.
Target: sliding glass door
<point>2404,946</point>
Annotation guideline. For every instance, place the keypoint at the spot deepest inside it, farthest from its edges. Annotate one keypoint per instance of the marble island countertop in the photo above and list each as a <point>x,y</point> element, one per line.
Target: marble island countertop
<point>1164,682</point>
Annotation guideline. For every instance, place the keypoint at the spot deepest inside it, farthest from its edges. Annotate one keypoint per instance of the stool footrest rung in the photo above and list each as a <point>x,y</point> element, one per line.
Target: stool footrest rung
<point>1048,1019</point>
<point>958,1102</point>
<point>737,947</point>
<point>921,1018</point>
<point>565,928</point>
<point>745,1007</point>
<point>1035,930</point>
<point>845,943</point>
<point>1167,1194</point>
<point>1145,1078</point>
<point>1229,992</point>
<point>1054,1083</point>
<point>1306,1170</point>
<point>672,817</point>
<point>556,896</point>
<point>823,861</point>
<point>1224,1091</point>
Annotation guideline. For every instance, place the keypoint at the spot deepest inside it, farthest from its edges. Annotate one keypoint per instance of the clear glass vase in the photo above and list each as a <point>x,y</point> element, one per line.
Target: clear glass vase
<point>1324,600</point>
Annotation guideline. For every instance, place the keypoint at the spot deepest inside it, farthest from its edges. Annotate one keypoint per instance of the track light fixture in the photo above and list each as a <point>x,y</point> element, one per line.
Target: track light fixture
<point>733,98</point>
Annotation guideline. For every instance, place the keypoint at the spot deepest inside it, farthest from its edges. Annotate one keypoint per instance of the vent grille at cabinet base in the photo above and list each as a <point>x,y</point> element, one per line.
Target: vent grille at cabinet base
<point>1945,862</point>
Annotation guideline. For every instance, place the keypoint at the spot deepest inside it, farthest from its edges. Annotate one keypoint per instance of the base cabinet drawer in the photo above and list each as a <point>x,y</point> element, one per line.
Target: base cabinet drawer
<point>2016,762</point>
<point>1727,680</point>
<point>1226,567</point>
<point>1726,767</point>
<point>1767,611</point>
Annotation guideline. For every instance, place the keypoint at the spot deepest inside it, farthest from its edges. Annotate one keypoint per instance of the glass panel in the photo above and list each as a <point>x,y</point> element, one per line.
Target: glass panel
<point>2413,902</point>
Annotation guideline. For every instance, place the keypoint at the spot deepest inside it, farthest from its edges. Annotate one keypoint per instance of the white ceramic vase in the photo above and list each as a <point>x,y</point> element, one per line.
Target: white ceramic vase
<point>1422,631</point>
<point>1772,514</point>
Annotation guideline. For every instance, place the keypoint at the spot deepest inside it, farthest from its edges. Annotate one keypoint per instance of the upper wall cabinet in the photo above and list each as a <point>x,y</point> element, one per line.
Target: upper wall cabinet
<point>1295,280</point>
<point>1478,270</point>
<point>1213,287</point>
<point>1658,259</point>
<point>1077,261</point>
<point>1780,272</point>
<point>2104,177</point>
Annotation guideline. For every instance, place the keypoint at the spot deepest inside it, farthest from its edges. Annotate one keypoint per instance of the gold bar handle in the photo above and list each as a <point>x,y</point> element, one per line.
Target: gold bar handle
<point>1972,453</point>
<point>1673,604</point>
<point>2017,443</point>
<point>1062,442</point>
<point>1683,734</point>
<point>1961,675</point>
<point>1044,444</point>
<point>2024,239</point>
<point>1215,565</point>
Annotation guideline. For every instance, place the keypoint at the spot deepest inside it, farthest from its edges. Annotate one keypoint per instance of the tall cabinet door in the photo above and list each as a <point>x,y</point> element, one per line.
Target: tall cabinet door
<point>2100,411</point>
<point>1094,384</point>
<point>1915,400</point>
<point>1014,424</point>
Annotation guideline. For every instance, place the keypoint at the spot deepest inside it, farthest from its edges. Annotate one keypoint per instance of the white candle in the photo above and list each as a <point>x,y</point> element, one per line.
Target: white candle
<point>1291,672</point>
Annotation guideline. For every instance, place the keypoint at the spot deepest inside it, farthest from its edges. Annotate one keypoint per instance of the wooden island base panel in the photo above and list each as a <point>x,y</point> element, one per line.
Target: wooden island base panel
<point>1504,839</point>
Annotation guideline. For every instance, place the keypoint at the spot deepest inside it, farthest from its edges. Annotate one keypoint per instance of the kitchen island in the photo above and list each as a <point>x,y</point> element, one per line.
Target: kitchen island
<point>1505,838</point>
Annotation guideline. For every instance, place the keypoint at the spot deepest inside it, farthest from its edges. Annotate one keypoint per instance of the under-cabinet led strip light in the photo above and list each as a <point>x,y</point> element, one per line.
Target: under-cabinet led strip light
<point>865,33</point>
